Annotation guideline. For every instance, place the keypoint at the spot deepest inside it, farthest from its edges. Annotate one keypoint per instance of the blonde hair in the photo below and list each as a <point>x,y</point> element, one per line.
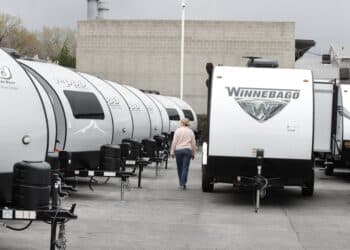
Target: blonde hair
<point>186,122</point>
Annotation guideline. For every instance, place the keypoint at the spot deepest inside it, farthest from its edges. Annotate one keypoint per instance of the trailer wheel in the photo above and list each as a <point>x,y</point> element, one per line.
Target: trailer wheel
<point>329,170</point>
<point>308,187</point>
<point>207,182</point>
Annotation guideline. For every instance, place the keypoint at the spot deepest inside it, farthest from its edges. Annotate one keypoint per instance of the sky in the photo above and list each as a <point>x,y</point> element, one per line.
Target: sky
<point>324,21</point>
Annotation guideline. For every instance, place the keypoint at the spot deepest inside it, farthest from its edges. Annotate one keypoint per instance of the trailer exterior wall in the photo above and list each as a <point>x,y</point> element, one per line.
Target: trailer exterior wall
<point>323,93</point>
<point>169,105</point>
<point>153,111</point>
<point>22,116</point>
<point>122,120</point>
<point>147,53</point>
<point>83,134</point>
<point>140,118</point>
<point>345,93</point>
<point>234,132</point>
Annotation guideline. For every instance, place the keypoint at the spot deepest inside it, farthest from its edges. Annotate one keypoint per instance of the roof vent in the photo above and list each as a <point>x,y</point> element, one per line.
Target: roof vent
<point>326,59</point>
<point>344,74</point>
<point>258,62</point>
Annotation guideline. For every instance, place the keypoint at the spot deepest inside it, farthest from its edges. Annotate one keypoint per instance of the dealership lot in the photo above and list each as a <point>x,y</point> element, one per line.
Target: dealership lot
<point>159,216</point>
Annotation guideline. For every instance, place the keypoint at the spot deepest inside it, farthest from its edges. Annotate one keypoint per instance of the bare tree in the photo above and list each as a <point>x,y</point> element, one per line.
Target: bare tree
<point>48,44</point>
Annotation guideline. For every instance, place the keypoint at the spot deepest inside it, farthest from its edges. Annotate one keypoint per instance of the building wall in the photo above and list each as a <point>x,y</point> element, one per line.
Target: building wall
<point>146,54</point>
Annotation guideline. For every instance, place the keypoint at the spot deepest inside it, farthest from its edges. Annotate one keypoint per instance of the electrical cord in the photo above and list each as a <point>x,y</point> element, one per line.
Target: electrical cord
<point>18,229</point>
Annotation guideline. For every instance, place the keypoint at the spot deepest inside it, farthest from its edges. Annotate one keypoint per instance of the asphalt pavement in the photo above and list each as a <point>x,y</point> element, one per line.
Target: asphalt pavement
<point>159,216</point>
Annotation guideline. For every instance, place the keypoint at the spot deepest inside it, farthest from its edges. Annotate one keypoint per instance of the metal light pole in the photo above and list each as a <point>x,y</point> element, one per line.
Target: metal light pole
<point>182,49</point>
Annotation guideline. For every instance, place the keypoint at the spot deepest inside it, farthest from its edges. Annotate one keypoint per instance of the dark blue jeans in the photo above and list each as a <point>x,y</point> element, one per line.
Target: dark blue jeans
<point>183,158</point>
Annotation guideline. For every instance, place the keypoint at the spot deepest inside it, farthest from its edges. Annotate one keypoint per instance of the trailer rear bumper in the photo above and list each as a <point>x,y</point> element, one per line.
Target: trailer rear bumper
<point>290,172</point>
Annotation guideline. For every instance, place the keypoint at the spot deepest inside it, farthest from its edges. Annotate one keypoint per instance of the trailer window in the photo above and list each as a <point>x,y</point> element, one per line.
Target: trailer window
<point>173,114</point>
<point>188,114</point>
<point>85,105</point>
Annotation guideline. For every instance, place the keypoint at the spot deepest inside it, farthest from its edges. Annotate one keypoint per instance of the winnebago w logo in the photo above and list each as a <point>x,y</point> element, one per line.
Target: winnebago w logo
<point>260,103</point>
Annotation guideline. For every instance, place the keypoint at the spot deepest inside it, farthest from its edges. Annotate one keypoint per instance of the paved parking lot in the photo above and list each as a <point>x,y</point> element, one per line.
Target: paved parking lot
<point>159,216</point>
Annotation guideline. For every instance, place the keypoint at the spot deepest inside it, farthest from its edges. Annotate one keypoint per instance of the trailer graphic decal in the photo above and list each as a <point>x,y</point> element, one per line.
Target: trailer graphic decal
<point>262,103</point>
<point>5,73</point>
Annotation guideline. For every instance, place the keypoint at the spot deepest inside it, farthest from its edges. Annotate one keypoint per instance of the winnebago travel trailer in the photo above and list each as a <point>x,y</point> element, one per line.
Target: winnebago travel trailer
<point>83,118</point>
<point>175,114</point>
<point>28,189</point>
<point>260,128</point>
<point>187,111</point>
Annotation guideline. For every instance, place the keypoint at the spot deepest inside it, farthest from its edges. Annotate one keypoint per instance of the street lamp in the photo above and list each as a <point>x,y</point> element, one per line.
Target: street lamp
<point>183,5</point>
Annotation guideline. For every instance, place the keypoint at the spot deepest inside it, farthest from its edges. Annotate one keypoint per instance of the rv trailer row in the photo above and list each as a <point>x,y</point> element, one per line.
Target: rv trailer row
<point>57,123</point>
<point>267,126</point>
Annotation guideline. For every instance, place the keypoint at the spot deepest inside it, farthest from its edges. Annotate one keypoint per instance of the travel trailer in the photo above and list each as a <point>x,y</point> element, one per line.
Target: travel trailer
<point>83,118</point>
<point>175,114</point>
<point>187,111</point>
<point>259,118</point>
<point>140,118</point>
<point>121,114</point>
<point>340,129</point>
<point>24,129</point>
<point>325,118</point>
<point>29,190</point>
<point>152,110</point>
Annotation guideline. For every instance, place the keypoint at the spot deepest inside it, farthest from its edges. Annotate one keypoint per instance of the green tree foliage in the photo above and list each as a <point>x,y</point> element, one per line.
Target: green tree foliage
<point>65,58</point>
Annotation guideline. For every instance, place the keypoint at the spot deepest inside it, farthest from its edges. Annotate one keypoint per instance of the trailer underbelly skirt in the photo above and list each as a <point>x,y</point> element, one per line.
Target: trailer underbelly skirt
<point>290,171</point>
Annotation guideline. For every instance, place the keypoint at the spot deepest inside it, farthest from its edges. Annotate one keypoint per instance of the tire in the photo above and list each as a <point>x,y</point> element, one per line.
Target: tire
<point>207,182</point>
<point>308,187</point>
<point>329,170</point>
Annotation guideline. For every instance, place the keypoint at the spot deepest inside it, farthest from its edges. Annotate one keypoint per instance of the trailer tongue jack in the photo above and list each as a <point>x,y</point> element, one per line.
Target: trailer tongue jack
<point>259,182</point>
<point>52,214</point>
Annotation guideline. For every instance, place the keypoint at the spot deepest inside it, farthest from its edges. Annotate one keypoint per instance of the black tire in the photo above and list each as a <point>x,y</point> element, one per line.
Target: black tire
<point>207,182</point>
<point>308,188</point>
<point>329,170</point>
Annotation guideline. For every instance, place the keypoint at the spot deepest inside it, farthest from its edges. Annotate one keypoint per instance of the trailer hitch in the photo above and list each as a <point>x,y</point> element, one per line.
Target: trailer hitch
<point>259,182</point>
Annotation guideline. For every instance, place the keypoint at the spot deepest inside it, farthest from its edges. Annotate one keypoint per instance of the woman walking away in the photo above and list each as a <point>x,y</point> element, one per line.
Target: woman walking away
<point>184,148</point>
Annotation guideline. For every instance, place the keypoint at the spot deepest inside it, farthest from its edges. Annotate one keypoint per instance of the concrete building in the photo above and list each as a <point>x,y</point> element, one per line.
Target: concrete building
<point>146,54</point>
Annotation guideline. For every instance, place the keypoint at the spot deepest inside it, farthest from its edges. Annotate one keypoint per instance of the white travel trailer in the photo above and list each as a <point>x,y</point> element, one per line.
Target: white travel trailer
<point>325,96</point>
<point>23,126</point>
<point>255,114</point>
<point>83,118</point>
<point>121,115</point>
<point>26,182</point>
<point>164,115</point>
<point>140,118</point>
<point>341,129</point>
<point>187,110</point>
<point>153,111</point>
<point>175,114</point>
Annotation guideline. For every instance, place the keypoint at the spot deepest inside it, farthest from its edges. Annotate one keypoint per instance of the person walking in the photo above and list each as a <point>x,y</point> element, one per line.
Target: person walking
<point>183,148</point>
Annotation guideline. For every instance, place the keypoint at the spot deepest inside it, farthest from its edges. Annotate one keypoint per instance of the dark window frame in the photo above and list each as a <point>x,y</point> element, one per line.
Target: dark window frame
<point>173,114</point>
<point>84,105</point>
<point>188,114</point>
